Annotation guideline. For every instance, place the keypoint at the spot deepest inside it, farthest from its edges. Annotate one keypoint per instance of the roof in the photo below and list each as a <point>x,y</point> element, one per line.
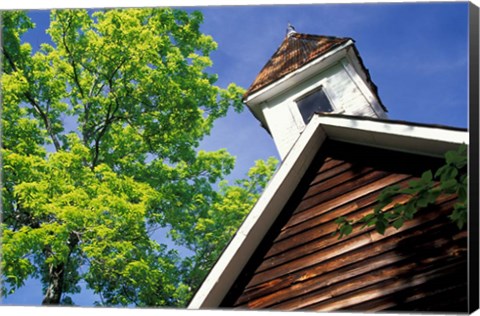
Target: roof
<point>295,51</point>
<point>423,139</point>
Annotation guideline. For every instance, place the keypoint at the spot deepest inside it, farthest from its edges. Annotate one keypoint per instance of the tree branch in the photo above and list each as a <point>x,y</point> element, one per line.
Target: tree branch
<point>71,59</point>
<point>46,120</point>
<point>9,58</point>
<point>34,103</point>
<point>108,121</point>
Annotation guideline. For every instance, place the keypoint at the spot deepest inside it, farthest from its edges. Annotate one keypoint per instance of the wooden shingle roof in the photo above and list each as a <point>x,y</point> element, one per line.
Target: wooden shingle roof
<point>295,51</point>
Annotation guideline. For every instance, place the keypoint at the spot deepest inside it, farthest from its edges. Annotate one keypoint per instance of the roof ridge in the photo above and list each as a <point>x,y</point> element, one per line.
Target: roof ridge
<point>303,35</point>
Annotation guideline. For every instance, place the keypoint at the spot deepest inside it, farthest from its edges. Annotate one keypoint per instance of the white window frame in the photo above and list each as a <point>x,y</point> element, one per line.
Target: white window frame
<point>296,113</point>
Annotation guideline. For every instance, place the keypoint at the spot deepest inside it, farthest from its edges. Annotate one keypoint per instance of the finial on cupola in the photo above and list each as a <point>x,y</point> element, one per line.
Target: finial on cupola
<point>290,30</point>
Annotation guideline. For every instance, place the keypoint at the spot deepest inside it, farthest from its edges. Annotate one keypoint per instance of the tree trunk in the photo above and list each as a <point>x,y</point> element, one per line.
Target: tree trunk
<point>56,275</point>
<point>53,294</point>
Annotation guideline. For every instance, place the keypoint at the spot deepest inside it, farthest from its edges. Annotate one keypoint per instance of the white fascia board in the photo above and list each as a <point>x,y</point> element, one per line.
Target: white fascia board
<point>417,139</point>
<point>298,75</point>
<point>259,220</point>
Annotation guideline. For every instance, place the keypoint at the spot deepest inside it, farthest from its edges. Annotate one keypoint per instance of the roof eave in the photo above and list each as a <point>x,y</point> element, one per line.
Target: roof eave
<point>422,139</point>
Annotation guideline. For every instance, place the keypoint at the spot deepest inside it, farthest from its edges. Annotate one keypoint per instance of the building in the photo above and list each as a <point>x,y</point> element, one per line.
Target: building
<point>339,151</point>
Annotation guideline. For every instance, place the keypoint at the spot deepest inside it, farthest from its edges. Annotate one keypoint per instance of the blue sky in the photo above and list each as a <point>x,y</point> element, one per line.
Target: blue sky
<point>417,55</point>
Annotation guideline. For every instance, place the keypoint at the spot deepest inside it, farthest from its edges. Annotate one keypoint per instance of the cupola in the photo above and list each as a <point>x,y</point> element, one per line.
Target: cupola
<point>310,74</point>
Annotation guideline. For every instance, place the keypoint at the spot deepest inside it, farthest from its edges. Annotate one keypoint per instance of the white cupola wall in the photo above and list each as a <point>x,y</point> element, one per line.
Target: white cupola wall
<point>309,74</point>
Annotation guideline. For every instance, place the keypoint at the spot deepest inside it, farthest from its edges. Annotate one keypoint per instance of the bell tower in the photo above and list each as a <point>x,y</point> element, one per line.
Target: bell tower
<point>310,74</point>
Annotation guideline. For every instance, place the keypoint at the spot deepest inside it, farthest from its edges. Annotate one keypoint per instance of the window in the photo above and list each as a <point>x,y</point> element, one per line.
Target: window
<point>313,102</point>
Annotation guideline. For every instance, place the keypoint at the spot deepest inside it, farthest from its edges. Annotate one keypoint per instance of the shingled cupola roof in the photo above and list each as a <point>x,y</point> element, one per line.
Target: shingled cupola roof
<point>295,51</point>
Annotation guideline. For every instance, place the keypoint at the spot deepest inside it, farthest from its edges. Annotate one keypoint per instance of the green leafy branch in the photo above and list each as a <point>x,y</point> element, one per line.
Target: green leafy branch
<point>451,178</point>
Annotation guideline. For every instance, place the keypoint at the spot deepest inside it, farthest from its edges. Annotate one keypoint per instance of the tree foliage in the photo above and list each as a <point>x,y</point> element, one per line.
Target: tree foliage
<point>222,219</point>
<point>101,128</point>
<point>451,178</point>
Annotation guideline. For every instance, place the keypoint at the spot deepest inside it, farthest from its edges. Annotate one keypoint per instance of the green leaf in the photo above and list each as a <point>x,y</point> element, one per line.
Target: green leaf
<point>415,185</point>
<point>427,176</point>
<point>450,173</point>
<point>389,215</point>
<point>398,223</point>
<point>346,230</point>
<point>410,191</point>
<point>462,193</point>
<point>386,195</point>
<point>380,226</point>
<point>423,201</point>
<point>340,220</point>
<point>453,157</point>
<point>459,215</point>
<point>449,186</point>
<point>398,210</point>
<point>441,171</point>
<point>368,220</point>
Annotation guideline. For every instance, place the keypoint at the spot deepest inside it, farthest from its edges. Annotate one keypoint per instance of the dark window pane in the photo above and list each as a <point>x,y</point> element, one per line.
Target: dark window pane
<point>314,102</point>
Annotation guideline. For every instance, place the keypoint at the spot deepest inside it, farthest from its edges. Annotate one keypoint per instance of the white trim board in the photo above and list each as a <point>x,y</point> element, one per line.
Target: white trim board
<point>400,136</point>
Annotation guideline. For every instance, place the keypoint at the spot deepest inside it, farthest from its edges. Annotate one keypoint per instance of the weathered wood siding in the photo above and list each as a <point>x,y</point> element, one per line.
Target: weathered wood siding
<point>301,265</point>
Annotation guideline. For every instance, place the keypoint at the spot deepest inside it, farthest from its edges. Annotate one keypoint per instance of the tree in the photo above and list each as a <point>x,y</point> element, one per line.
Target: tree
<point>134,83</point>
<point>451,178</point>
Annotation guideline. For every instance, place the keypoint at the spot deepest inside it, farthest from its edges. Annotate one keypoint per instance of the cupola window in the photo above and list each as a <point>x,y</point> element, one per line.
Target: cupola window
<point>313,102</point>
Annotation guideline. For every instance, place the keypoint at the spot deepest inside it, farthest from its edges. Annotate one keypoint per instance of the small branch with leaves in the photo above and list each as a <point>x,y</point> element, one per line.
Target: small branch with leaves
<point>451,178</point>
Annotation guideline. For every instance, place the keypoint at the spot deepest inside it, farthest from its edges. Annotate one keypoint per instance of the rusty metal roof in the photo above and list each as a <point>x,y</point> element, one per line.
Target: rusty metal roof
<point>295,51</point>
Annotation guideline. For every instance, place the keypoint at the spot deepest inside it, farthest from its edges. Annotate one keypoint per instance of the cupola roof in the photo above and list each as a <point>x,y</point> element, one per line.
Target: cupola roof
<point>296,50</point>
